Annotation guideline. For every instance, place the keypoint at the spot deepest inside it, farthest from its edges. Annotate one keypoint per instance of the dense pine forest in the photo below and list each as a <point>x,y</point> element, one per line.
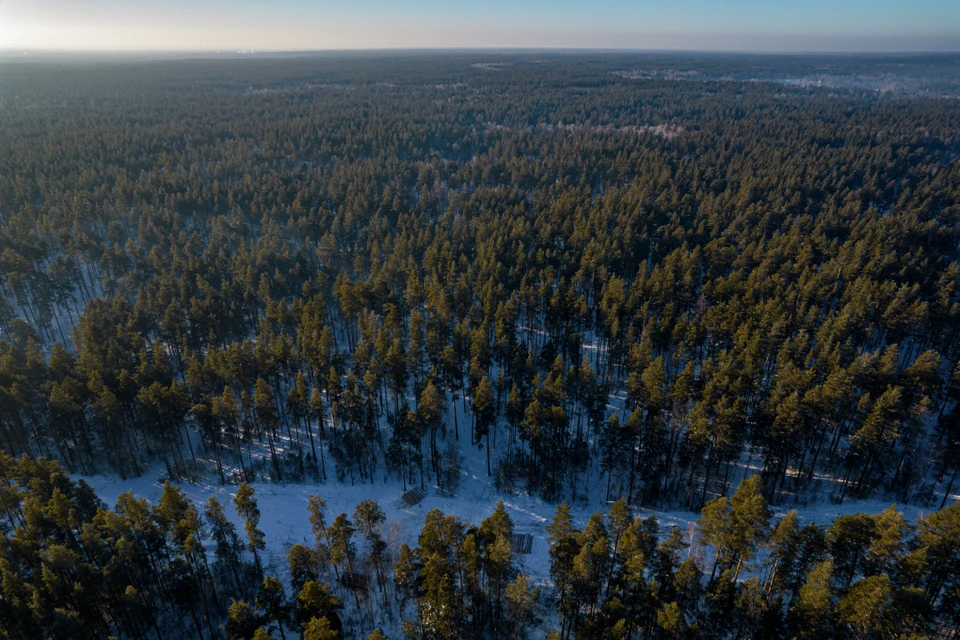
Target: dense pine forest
<point>617,282</point>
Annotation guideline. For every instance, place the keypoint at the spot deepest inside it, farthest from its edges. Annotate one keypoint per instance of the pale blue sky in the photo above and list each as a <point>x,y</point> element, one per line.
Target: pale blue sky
<point>814,25</point>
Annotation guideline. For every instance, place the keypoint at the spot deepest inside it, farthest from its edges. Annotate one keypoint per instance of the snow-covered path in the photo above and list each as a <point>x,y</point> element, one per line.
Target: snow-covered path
<point>285,522</point>
<point>284,517</point>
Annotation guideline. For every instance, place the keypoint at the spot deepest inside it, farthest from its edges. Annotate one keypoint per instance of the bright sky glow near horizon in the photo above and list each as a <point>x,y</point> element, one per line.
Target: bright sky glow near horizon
<point>296,25</point>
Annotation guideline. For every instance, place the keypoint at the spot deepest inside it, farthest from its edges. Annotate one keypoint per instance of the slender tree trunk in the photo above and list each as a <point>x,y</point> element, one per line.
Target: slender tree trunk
<point>456,426</point>
<point>488,452</point>
<point>946,494</point>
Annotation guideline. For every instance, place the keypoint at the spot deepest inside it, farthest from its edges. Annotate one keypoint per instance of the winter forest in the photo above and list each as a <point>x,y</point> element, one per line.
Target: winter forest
<point>440,346</point>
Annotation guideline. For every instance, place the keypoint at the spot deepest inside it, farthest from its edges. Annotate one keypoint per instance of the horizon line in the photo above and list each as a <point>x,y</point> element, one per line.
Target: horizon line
<point>486,49</point>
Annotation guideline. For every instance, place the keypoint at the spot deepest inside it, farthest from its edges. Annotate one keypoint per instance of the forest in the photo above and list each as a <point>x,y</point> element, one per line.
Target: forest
<point>619,283</point>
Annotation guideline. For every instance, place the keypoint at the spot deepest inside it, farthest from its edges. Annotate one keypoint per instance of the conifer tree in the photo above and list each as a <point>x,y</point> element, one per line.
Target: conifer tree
<point>303,564</point>
<point>485,413</point>
<point>521,599</point>
<point>272,601</point>
<point>316,505</point>
<point>405,574</point>
<point>369,518</point>
<point>247,507</point>
<point>242,621</point>
<point>224,534</point>
<point>812,610</point>
<point>319,629</point>
<point>317,601</point>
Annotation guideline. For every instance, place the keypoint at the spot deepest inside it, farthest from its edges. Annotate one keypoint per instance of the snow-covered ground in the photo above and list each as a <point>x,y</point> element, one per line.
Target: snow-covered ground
<point>284,516</point>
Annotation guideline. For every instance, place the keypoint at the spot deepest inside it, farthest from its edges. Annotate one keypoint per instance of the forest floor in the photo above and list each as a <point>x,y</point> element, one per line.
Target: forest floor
<point>284,516</point>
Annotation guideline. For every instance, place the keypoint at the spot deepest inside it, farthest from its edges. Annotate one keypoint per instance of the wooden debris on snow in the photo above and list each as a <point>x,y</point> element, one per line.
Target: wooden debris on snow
<point>522,543</point>
<point>356,582</point>
<point>414,496</point>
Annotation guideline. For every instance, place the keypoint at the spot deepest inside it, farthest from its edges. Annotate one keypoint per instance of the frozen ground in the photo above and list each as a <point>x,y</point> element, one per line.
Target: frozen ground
<point>284,517</point>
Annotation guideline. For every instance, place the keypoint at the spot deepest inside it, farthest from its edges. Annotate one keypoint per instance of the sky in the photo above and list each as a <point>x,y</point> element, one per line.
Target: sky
<point>298,25</point>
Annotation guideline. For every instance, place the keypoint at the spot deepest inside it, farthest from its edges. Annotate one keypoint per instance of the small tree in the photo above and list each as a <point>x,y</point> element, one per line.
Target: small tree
<point>522,600</point>
<point>242,621</point>
<point>862,608</point>
<point>370,518</point>
<point>341,541</point>
<point>811,612</point>
<point>317,601</point>
<point>405,574</point>
<point>735,527</point>
<point>749,520</point>
<point>318,523</point>
<point>272,601</point>
<point>247,507</point>
<point>302,561</point>
<point>485,412</point>
<point>224,534</point>
<point>319,629</point>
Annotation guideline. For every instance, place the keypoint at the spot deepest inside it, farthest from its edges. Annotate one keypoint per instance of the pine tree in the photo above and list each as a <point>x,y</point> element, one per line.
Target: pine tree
<point>749,521</point>
<point>430,411</point>
<point>272,601</point>
<point>247,507</point>
<point>319,629</point>
<point>849,538</point>
<point>498,567</point>
<point>485,413</point>
<point>265,410</point>
<point>405,574</point>
<point>735,527</point>
<point>563,550</point>
<point>224,534</point>
<point>369,518</point>
<point>303,563</point>
<point>498,524</point>
<point>784,546</point>
<point>242,621</point>
<point>317,601</point>
<point>341,542</point>
<point>889,537</point>
<point>316,505</point>
<point>812,610</point>
<point>862,609</point>
<point>437,606</point>
<point>521,599</point>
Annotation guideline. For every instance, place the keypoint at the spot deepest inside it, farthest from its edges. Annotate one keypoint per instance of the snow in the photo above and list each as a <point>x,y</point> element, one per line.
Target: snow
<point>284,516</point>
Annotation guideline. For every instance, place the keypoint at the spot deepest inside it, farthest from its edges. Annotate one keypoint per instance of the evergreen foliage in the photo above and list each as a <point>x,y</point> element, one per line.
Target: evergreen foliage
<point>309,269</point>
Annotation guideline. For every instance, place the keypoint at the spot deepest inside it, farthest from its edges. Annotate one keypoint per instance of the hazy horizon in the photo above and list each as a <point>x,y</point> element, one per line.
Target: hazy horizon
<point>207,26</point>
